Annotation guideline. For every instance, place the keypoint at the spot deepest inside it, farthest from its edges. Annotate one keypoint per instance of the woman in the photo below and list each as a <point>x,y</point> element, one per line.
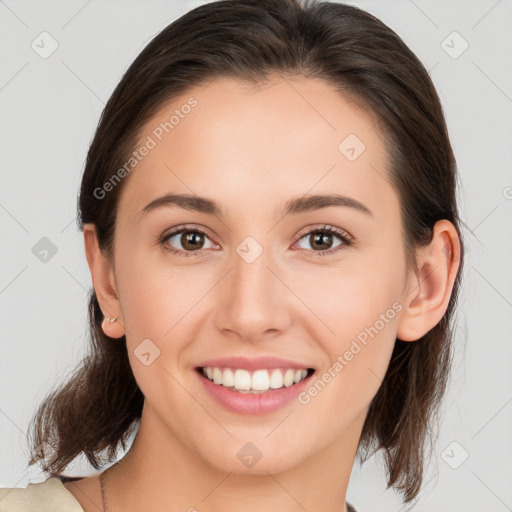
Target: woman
<point>269,218</point>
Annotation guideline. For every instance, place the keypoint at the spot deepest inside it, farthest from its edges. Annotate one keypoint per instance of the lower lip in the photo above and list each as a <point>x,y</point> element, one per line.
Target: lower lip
<point>258,403</point>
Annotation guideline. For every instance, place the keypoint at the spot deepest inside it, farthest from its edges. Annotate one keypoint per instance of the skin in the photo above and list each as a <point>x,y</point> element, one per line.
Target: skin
<point>264,146</point>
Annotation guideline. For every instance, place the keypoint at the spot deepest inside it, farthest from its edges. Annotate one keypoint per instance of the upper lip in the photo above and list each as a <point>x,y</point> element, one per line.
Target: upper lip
<point>255,363</point>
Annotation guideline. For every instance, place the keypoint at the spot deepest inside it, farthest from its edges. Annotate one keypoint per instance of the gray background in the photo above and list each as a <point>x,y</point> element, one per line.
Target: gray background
<point>49,110</point>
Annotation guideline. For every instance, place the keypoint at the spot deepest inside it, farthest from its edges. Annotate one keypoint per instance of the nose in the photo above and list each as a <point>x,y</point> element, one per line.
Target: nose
<point>253,302</point>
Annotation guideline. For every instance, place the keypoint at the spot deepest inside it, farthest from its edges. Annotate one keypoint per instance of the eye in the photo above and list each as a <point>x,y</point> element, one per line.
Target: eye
<point>322,239</point>
<point>190,240</point>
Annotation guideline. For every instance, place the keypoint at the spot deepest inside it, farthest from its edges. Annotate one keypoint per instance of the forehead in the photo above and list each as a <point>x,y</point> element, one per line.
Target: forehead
<point>253,145</point>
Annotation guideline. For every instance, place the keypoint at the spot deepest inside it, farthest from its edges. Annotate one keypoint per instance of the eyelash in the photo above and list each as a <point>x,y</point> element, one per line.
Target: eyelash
<point>342,235</point>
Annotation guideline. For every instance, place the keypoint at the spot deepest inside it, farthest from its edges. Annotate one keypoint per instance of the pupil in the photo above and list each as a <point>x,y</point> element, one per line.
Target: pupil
<point>190,240</point>
<point>320,237</point>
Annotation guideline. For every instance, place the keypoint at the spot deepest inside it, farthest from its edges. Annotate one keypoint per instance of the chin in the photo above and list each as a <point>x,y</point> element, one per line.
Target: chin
<point>243,457</point>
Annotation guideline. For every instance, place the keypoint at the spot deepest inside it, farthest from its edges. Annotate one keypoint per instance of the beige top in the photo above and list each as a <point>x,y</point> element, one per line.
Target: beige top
<point>47,496</point>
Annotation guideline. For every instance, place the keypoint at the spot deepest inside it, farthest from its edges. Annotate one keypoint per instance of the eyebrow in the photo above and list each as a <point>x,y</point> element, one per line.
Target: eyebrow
<point>292,207</point>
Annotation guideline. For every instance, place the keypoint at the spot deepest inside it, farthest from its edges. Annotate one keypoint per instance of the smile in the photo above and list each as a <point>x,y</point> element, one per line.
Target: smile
<point>254,382</point>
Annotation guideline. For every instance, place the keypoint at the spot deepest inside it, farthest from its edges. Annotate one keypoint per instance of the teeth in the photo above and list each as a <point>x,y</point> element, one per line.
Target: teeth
<point>276,379</point>
<point>288,377</point>
<point>242,380</point>
<point>260,380</point>
<point>228,379</point>
<point>217,376</point>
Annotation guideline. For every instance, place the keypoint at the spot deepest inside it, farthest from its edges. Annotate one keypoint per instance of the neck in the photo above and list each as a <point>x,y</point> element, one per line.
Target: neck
<point>160,472</point>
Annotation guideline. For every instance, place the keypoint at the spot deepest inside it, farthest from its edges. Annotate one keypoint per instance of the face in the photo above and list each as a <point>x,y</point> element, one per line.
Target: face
<point>320,286</point>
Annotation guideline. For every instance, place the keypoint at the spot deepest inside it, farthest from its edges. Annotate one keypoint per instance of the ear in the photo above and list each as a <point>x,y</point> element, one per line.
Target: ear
<point>103,279</point>
<point>429,292</point>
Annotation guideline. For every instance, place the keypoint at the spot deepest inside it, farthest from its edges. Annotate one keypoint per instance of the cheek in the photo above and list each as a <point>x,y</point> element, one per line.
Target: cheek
<point>155,294</point>
<point>352,296</point>
<point>364,320</point>
<point>163,307</point>
<point>358,306</point>
<point>160,310</point>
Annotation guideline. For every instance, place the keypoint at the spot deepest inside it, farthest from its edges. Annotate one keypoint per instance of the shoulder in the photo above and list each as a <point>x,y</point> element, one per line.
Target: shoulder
<point>47,496</point>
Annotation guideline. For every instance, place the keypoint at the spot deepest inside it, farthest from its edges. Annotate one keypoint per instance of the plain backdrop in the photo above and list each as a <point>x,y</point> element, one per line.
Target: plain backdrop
<point>49,108</point>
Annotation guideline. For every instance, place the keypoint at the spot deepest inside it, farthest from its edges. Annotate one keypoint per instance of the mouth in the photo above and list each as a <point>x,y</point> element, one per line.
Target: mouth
<point>265,380</point>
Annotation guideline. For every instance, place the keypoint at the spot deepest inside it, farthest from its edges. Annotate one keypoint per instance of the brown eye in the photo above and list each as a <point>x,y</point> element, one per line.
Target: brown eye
<point>192,240</point>
<point>321,241</point>
<point>186,241</point>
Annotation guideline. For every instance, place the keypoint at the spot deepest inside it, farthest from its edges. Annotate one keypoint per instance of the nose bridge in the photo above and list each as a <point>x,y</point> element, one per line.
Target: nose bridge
<point>253,301</point>
<point>251,278</point>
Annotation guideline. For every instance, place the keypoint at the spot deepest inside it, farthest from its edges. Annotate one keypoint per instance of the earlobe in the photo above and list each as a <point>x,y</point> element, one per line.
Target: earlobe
<point>103,280</point>
<point>429,290</point>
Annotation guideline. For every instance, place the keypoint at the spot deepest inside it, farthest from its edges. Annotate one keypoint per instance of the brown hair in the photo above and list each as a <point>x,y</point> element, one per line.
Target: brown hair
<point>100,405</point>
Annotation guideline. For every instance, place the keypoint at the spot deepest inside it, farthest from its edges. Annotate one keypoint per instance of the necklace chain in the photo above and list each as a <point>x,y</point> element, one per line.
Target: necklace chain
<point>103,492</point>
<point>102,478</point>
